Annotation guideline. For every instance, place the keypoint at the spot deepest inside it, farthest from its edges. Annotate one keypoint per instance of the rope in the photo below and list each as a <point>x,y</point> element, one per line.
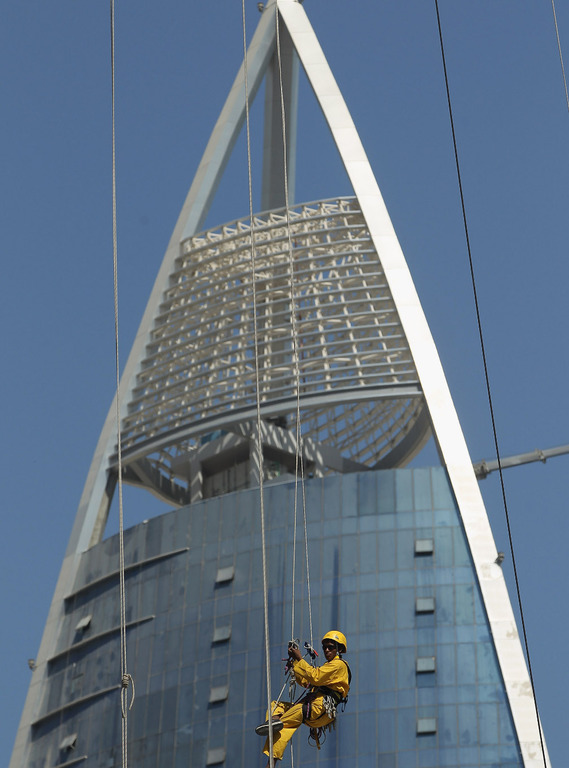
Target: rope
<point>560,54</point>
<point>306,556</point>
<point>299,463</point>
<point>487,378</point>
<point>126,678</point>
<point>298,458</point>
<point>258,396</point>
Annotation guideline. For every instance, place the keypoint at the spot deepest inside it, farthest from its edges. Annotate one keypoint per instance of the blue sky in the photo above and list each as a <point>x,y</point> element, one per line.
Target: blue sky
<point>175,62</point>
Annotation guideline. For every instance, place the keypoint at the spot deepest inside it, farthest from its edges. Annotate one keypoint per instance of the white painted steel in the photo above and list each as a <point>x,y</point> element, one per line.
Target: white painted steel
<point>273,184</point>
<point>200,362</point>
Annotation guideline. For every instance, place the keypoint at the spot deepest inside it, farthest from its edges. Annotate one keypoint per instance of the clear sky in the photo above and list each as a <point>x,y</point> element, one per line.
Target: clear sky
<point>175,62</point>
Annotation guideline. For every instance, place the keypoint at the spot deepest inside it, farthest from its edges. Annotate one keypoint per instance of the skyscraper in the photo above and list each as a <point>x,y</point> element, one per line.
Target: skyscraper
<point>402,559</point>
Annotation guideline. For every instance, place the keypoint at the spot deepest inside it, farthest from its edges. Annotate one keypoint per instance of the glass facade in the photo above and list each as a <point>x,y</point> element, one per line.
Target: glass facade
<point>389,566</point>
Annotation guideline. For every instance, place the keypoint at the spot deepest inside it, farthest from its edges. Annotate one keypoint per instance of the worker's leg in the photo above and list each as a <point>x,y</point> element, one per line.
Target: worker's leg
<point>278,708</point>
<point>291,717</point>
<point>317,716</point>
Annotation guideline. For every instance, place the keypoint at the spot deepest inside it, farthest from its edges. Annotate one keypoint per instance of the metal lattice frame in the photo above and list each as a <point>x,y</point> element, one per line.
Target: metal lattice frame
<point>201,359</point>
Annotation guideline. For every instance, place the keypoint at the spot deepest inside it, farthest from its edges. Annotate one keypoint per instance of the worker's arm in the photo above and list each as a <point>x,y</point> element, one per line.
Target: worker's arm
<point>334,673</point>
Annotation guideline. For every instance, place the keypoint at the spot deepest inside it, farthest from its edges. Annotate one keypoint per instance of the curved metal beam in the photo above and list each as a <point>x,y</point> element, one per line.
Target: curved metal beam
<point>274,408</point>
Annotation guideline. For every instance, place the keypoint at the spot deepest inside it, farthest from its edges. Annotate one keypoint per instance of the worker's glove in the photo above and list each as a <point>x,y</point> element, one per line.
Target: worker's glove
<point>293,646</point>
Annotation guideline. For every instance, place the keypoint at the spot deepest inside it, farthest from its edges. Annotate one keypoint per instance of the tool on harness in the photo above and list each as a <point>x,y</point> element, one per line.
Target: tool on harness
<point>312,652</point>
<point>317,736</point>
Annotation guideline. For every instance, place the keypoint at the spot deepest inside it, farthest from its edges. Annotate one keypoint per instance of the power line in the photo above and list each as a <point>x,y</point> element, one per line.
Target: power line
<point>560,53</point>
<point>487,379</point>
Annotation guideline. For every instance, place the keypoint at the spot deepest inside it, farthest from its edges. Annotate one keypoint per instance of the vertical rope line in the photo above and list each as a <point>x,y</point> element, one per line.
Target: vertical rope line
<point>126,679</point>
<point>299,463</point>
<point>258,395</point>
<point>306,554</point>
<point>560,53</point>
<point>487,378</point>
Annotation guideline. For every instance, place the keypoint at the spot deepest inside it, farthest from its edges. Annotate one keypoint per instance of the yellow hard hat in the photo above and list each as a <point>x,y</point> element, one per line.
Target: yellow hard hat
<point>337,637</point>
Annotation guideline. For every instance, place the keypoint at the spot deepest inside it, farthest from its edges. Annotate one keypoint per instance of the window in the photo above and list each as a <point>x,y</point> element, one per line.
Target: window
<point>425,605</point>
<point>221,634</point>
<point>68,743</point>
<point>424,546</point>
<point>215,756</point>
<point>83,623</point>
<point>225,574</point>
<point>425,664</point>
<point>426,725</point>
<point>220,693</point>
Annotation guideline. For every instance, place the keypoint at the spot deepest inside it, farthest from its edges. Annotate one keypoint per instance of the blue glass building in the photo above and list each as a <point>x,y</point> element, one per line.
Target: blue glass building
<point>389,564</point>
<point>293,334</point>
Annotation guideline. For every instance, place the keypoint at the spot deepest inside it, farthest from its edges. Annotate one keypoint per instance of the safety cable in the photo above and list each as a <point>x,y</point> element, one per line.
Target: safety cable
<point>126,679</point>
<point>299,462</point>
<point>560,53</point>
<point>487,378</point>
<point>258,395</point>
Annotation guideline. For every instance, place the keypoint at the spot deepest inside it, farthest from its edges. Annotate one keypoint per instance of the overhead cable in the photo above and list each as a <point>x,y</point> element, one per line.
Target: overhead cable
<point>126,678</point>
<point>560,53</point>
<point>487,379</point>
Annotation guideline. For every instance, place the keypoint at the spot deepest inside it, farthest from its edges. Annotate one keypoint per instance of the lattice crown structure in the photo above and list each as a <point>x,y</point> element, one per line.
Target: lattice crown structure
<point>357,383</point>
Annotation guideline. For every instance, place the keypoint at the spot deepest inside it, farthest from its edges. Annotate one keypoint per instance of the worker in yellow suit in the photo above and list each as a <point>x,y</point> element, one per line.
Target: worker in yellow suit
<point>329,685</point>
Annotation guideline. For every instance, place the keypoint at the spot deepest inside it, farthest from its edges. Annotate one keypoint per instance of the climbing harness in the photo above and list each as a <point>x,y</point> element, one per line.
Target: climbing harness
<point>332,698</point>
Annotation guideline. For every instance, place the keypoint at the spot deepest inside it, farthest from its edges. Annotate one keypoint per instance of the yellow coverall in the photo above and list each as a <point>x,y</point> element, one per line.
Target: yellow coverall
<point>333,674</point>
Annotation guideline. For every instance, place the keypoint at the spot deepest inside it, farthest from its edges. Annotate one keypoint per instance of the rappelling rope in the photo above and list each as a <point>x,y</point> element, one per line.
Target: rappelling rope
<point>299,462</point>
<point>488,389</point>
<point>126,679</point>
<point>560,53</point>
<point>258,394</point>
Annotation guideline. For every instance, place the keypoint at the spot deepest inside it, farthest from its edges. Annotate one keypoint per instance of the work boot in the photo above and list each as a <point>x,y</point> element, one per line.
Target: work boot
<point>263,729</point>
